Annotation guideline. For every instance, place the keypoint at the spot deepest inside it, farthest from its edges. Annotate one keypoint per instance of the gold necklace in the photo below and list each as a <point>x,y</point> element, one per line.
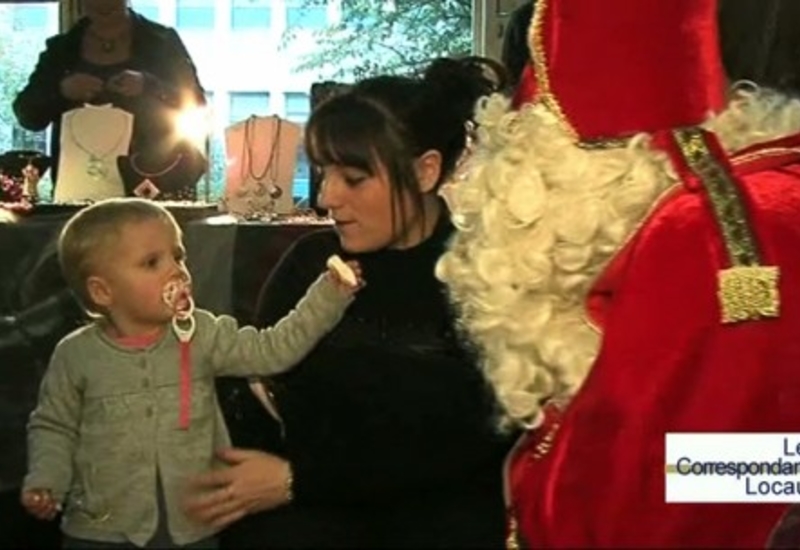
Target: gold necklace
<point>271,165</point>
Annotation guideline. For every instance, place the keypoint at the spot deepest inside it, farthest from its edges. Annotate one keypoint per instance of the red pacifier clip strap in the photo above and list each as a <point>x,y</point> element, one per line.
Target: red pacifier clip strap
<point>184,415</point>
<point>183,324</point>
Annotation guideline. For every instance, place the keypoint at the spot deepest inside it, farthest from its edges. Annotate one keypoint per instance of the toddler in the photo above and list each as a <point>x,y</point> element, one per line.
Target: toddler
<point>127,409</point>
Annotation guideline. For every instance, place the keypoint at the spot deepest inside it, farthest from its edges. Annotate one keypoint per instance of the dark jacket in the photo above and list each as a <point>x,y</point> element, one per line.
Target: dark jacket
<point>157,51</point>
<point>389,424</point>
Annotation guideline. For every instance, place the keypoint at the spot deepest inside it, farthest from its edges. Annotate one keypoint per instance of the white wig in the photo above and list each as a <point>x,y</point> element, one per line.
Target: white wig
<point>539,218</point>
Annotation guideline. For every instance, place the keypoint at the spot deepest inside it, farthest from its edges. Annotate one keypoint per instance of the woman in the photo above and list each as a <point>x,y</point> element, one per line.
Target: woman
<point>388,437</point>
<point>112,55</point>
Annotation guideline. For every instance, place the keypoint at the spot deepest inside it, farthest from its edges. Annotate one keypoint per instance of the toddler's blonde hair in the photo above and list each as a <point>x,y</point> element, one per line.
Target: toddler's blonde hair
<point>94,230</point>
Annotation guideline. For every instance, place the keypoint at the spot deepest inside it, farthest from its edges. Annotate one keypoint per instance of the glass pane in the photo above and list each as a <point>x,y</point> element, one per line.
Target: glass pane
<point>148,11</point>
<point>24,29</point>
<point>244,104</point>
<point>250,14</point>
<point>281,48</point>
<point>306,17</point>
<point>31,16</point>
<point>298,107</point>
<point>194,14</point>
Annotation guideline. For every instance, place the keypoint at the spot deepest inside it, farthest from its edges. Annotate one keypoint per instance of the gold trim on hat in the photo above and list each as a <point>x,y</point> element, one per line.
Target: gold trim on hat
<point>747,290</point>
<point>544,94</point>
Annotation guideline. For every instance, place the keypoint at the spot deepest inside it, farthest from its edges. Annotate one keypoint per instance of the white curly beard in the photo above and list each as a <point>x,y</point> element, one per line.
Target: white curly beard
<point>539,219</point>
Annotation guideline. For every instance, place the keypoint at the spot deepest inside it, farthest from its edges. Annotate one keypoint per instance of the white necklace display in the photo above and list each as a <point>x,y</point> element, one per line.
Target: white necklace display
<point>261,155</point>
<point>91,139</point>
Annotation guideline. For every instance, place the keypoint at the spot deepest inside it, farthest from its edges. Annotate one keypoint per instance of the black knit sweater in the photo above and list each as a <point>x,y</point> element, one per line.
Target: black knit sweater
<point>388,423</point>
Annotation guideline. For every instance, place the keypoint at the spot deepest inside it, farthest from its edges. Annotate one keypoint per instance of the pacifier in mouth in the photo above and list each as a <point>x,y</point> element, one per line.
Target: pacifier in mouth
<point>177,295</point>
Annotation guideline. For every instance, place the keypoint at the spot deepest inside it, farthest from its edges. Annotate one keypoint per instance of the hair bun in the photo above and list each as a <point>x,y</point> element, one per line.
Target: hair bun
<point>472,76</point>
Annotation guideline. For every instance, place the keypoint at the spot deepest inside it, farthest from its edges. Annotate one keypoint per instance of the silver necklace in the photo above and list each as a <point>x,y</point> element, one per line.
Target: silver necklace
<point>96,166</point>
<point>108,45</point>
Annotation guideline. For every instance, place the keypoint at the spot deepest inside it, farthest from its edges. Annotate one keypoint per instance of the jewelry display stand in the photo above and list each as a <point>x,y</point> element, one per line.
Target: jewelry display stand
<point>170,175</point>
<point>20,173</point>
<point>261,154</point>
<point>92,137</point>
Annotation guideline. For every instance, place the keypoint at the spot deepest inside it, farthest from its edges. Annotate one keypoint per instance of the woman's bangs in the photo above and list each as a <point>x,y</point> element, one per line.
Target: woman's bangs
<point>342,136</point>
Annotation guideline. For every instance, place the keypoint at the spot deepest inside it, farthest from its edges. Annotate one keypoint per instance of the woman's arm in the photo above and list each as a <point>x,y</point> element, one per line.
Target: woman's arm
<point>437,433</point>
<point>40,102</point>
<point>175,82</point>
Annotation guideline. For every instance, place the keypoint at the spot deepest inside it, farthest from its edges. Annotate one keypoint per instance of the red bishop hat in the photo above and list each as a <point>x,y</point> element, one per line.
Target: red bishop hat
<point>613,68</point>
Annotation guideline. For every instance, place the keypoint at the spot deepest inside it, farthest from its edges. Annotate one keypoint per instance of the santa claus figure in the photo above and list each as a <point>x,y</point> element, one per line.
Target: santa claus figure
<point>628,265</point>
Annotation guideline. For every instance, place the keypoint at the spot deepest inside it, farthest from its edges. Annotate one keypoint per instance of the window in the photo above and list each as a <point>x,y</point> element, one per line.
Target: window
<point>28,17</point>
<point>194,14</point>
<point>251,14</point>
<point>248,56</point>
<point>297,108</point>
<point>147,8</point>
<point>216,156</point>
<point>244,104</point>
<point>27,140</point>
<point>23,30</point>
<point>306,17</point>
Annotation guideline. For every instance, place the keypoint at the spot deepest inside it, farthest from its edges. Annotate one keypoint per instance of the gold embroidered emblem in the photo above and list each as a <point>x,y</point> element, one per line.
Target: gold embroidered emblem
<point>747,293</point>
<point>747,290</point>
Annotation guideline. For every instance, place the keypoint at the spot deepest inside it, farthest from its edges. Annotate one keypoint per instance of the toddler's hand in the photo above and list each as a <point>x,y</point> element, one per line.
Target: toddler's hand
<point>345,275</point>
<point>40,503</point>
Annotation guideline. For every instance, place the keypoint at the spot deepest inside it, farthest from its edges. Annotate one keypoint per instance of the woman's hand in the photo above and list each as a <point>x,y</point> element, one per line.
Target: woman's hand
<point>127,83</point>
<point>254,481</point>
<point>81,87</point>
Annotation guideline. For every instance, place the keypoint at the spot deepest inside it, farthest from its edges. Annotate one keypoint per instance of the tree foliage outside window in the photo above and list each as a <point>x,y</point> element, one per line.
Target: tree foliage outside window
<point>387,36</point>
<point>18,54</point>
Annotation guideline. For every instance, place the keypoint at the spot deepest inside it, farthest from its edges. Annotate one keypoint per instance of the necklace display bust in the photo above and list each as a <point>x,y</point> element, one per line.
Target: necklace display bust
<point>92,136</point>
<point>261,156</point>
<point>167,172</point>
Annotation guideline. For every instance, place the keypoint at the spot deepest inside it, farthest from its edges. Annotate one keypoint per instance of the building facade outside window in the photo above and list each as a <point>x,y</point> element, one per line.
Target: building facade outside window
<point>195,14</point>
<point>299,15</point>
<point>245,104</point>
<point>251,14</point>
<point>297,108</point>
<point>151,9</point>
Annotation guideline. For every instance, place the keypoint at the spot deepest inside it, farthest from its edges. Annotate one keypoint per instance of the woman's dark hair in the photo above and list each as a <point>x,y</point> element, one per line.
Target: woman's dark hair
<point>760,42</point>
<point>392,120</point>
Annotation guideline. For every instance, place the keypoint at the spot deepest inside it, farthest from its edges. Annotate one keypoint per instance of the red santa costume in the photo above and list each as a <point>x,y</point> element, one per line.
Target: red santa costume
<point>628,263</point>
